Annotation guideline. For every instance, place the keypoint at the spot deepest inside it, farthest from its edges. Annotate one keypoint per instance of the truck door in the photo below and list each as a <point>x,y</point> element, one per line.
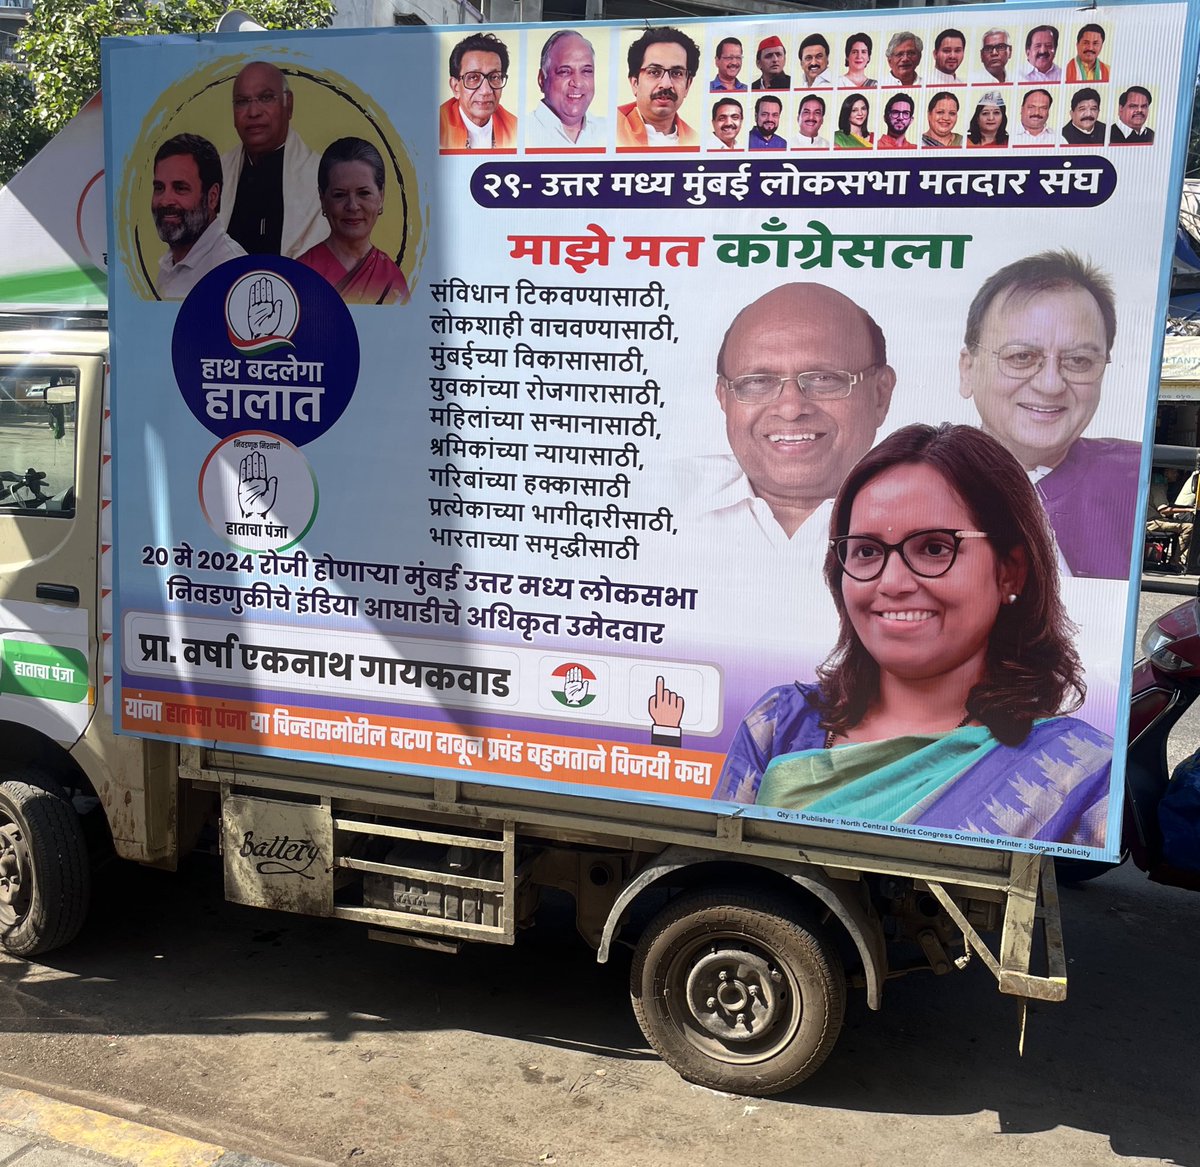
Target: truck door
<point>49,533</point>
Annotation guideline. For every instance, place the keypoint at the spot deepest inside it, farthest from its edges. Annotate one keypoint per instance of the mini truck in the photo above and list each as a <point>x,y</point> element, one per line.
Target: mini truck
<point>126,729</point>
<point>749,932</point>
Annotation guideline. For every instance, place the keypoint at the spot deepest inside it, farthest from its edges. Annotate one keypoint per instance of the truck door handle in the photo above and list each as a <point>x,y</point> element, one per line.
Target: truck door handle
<point>62,593</point>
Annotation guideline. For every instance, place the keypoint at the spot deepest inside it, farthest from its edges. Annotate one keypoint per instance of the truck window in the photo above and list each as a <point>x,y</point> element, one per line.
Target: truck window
<point>37,440</point>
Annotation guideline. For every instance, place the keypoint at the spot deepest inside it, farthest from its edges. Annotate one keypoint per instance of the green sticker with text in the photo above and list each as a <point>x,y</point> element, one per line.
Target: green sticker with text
<point>44,671</point>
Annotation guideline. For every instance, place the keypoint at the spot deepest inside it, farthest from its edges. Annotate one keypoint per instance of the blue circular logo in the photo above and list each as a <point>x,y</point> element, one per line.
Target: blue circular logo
<point>263,342</point>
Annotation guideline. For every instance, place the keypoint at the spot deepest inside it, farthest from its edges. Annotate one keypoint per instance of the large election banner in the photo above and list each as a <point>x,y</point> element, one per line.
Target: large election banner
<point>740,414</point>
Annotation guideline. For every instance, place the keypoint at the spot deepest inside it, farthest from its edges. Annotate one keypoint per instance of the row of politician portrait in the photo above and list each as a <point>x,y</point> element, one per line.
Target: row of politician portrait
<point>272,194</point>
<point>660,67</point>
<point>938,120</point>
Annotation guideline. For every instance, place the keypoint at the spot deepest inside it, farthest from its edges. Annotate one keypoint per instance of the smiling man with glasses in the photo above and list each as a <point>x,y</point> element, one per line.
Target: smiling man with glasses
<point>1038,340</point>
<point>663,62</point>
<point>270,204</point>
<point>474,119</point>
<point>804,384</point>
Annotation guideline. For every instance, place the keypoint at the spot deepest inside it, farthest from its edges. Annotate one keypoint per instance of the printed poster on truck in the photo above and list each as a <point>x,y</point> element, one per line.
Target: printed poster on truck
<point>743,415</point>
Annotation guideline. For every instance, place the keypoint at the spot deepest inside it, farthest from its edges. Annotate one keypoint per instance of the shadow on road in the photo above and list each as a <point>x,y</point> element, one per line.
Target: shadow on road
<point>165,955</point>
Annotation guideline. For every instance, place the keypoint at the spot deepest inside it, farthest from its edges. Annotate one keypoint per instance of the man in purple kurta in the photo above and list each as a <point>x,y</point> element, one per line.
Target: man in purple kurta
<point>1038,337</point>
<point>1090,499</point>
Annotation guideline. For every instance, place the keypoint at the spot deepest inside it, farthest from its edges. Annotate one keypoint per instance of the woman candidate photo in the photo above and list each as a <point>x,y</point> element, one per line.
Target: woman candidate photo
<point>852,132</point>
<point>350,182</point>
<point>989,122</point>
<point>944,702</point>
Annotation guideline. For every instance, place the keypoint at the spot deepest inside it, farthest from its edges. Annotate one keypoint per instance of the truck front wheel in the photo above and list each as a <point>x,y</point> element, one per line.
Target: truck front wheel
<point>737,991</point>
<point>44,876</point>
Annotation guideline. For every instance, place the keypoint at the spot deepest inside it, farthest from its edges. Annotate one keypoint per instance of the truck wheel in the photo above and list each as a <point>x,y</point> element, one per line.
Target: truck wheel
<point>737,991</point>
<point>44,876</point>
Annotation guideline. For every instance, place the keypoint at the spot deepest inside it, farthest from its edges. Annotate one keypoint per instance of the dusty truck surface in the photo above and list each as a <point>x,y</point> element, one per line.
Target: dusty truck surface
<point>510,487</point>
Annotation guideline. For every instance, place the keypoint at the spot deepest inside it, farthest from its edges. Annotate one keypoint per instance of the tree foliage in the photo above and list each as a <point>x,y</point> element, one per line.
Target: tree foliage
<point>20,136</point>
<point>61,42</point>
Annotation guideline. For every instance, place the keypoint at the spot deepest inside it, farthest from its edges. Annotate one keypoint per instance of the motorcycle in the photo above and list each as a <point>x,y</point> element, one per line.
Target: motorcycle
<point>1166,681</point>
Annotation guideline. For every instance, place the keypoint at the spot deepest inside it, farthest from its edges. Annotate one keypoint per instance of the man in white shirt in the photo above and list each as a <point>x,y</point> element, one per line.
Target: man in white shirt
<point>186,196</point>
<point>810,119</point>
<point>727,117</point>
<point>995,52</point>
<point>1041,43</point>
<point>814,62</point>
<point>804,383</point>
<point>1035,113</point>
<point>949,49</point>
<point>567,79</point>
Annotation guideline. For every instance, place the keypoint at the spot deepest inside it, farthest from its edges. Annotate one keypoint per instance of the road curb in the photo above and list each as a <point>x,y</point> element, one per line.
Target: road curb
<point>45,1121</point>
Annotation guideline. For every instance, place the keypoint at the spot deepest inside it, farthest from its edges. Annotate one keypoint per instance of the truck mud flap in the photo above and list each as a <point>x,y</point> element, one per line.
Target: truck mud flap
<point>278,854</point>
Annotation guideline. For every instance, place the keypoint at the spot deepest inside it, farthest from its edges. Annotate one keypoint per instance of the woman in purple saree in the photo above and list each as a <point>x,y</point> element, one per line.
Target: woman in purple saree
<point>944,703</point>
<point>350,181</point>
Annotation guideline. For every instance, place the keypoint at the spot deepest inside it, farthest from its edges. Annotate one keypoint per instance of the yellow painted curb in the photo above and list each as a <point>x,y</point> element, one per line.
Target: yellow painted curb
<point>39,1117</point>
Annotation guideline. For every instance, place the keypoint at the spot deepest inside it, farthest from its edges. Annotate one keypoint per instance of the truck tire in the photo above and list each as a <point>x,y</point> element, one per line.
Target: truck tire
<point>44,873</point>
<point>738,991</point>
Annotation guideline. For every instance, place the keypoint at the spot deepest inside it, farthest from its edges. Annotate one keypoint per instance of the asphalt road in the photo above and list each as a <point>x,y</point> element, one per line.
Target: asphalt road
<point>302,1042</point>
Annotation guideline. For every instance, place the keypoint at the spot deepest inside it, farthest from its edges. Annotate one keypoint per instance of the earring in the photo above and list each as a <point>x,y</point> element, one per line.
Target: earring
<point>1012,598</point>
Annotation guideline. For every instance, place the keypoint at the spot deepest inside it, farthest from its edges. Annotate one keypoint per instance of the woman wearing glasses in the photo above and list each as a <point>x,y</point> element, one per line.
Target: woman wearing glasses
<point>942,704</point>
<point>473,118</point>
<point>350,181</point>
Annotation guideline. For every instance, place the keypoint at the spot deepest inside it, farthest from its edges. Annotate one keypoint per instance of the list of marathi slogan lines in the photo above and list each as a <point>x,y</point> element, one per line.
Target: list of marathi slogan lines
<point>543,408</point>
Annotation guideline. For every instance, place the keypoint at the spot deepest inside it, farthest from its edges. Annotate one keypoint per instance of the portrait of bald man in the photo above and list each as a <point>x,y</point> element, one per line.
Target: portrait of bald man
<point>270,205</point>
<point>804,384</point>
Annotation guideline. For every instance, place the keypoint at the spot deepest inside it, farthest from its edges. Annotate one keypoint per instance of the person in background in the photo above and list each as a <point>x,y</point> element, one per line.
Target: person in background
<point>804,384</point>
<point>1165,517</point>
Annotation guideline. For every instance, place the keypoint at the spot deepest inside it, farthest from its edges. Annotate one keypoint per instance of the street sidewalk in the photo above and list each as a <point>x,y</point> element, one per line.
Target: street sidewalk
<point>36,1131</point>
